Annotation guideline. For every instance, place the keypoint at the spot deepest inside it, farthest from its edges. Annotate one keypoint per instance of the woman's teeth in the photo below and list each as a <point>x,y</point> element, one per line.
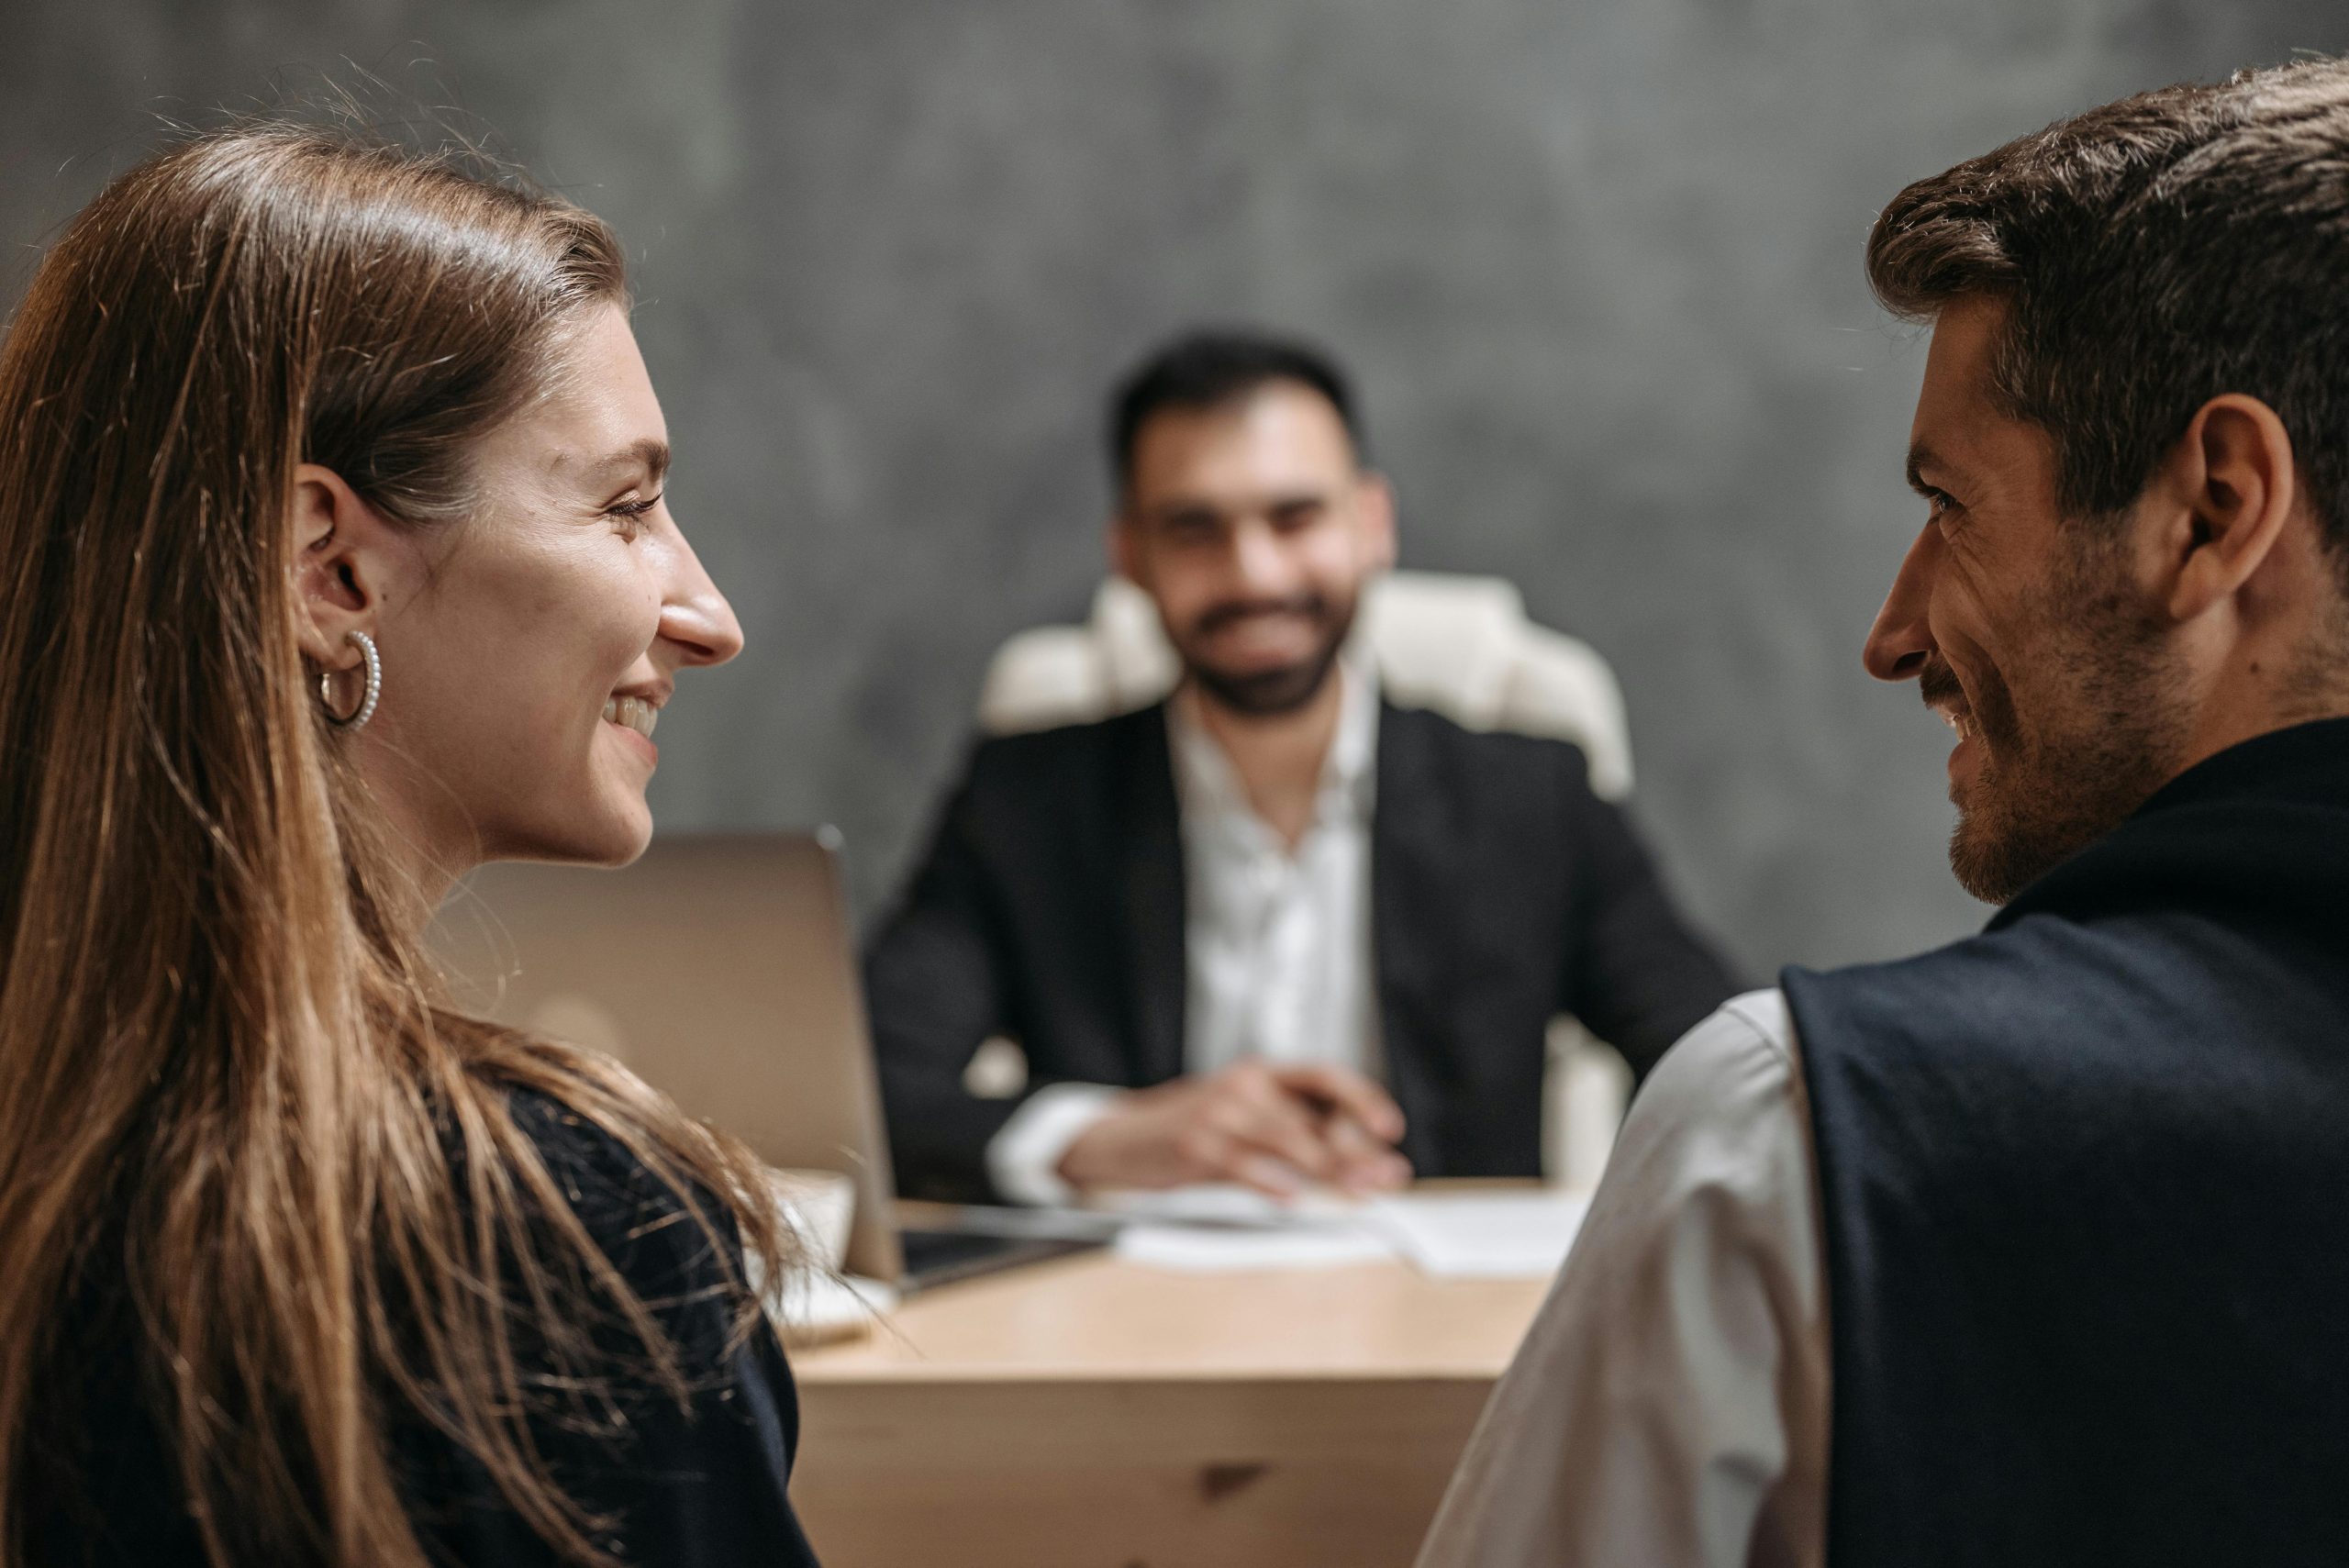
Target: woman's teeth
<point>633,712</point>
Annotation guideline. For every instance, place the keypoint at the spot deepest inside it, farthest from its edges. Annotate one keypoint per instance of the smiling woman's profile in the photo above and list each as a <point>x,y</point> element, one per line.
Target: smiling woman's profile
<point>334,560</point>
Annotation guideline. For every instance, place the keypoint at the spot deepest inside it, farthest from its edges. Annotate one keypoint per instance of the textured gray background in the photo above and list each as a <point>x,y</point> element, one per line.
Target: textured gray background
<point>1597,266</point>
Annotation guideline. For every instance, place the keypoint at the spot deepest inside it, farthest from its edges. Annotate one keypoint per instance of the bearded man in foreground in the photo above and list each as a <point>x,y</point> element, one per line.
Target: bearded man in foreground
<point>2034,1249</point>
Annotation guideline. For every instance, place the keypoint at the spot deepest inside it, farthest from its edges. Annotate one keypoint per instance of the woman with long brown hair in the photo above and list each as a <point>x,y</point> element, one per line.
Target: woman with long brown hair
<point>334,561</point>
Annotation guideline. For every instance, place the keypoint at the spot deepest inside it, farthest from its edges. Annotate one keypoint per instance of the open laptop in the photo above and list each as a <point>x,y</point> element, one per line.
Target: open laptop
<point>720,968</point>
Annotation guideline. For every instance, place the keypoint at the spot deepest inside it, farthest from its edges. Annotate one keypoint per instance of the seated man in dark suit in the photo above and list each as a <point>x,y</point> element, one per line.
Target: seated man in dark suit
<point>1273,930</point>
<point>2034,1250</point>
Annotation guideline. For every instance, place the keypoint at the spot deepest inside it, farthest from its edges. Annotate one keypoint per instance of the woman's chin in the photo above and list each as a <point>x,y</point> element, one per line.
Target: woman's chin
<point>629,839</point>
<point>612,833</point>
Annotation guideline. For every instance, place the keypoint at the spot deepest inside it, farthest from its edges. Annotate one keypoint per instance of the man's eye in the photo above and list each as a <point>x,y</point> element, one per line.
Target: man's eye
<point>1940,503</point>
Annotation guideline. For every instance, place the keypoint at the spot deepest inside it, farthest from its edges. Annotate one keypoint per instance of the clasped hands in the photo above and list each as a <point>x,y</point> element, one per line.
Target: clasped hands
<point>1276,1129</point>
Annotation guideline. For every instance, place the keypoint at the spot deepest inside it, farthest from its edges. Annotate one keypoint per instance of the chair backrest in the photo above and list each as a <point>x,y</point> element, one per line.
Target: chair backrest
<point>1458,645</point>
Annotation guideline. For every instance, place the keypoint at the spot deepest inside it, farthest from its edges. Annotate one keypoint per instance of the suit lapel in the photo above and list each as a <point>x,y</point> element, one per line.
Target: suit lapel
<point>1151,894</point>
<point>1413,874</point>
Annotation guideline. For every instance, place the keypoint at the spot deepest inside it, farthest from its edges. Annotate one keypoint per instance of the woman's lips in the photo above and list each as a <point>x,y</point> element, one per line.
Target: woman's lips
<point>634,713</point>
<point>633,719</point>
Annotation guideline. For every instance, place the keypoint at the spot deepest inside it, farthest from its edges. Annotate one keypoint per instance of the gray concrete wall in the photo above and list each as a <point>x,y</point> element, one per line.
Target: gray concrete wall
<point>1595,265</point>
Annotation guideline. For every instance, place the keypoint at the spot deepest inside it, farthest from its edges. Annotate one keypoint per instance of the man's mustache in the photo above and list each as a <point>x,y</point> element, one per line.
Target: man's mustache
<point>1216,617</point>
<point>1937,682</point>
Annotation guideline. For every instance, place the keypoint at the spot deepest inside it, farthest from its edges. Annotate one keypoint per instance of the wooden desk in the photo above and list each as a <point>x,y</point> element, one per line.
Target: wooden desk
<point>1091,1413</point>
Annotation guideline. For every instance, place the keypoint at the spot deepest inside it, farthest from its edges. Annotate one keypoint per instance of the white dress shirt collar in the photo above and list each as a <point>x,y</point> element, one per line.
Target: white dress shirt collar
<point>1276,937</point>
<point>1213,801</point>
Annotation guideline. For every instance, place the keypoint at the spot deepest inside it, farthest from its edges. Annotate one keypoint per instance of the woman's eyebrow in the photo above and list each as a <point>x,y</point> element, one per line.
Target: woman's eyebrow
<point>649,454</point>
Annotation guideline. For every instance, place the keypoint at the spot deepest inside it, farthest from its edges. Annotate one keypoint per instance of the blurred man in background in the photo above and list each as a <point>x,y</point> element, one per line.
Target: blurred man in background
<point>1274,931</point>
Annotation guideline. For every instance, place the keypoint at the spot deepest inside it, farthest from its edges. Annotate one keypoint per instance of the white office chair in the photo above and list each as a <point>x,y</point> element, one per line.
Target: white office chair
<point>1460,646</point>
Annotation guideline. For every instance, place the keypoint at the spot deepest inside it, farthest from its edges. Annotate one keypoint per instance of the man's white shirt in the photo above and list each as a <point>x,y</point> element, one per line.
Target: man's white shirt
<point>1669,1405</point>
<point>1277,944</point>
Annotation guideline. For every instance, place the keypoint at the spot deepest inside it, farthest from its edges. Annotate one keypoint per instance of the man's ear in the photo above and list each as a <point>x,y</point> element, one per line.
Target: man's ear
<point>1125,551</point>
<point>2228,487</point>
<point>343,550</point>
<point>1375,498</point>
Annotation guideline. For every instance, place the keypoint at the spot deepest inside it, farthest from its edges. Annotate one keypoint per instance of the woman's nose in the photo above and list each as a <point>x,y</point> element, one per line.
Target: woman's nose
<point>694,616</point>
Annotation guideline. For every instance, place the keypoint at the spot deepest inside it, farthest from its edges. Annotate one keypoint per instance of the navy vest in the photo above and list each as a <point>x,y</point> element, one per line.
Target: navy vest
<point>2085,1180</point>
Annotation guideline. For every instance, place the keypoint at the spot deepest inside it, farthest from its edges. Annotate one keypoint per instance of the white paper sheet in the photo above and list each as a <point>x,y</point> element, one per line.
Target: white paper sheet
<point>1228,1204</point>
<point>1499,1235</point>
<point>1522,1234</point>
<point>1203,1250</point>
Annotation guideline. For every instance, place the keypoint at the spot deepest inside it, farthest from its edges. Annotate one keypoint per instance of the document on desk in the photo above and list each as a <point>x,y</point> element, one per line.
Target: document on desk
<point>1446,1235</point>
<point>1225,1206</point>
<point>1213,1249</point>
<point>1474,1235</point>
<point>1219,1229</point>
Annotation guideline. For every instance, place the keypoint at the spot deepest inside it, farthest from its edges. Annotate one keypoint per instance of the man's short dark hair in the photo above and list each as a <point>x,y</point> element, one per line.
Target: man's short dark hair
<point>1207,369</point>
<point>2154,254</point>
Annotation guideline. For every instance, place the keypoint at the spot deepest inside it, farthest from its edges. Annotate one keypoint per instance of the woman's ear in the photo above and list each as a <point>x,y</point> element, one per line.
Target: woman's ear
<point>343,550</point>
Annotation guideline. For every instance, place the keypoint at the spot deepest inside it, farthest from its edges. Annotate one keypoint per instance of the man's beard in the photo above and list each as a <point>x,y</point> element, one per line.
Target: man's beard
<point>1267,694</point>
<point>2108,734</point>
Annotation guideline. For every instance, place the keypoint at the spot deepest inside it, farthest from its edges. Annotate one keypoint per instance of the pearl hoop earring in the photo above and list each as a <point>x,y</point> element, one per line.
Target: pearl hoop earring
<point>357,719</point>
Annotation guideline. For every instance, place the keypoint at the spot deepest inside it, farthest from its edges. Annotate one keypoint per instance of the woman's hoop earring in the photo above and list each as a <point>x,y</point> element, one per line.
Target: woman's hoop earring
<point>358,717</point>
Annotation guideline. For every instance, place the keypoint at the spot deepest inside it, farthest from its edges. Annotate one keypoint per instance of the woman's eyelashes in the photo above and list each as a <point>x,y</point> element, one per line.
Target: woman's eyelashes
<point>629,514</point>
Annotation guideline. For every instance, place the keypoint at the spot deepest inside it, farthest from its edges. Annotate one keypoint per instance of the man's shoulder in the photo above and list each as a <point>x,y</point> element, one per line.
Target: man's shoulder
<point>1482,754</point>
<point>1750,1037</point>
<point>1067,753</point>
<point>2008,993</point>
<point>2047,950</point>
<point>1932,989</point>
<point>1722,1111</point>
<point>1064,740</point>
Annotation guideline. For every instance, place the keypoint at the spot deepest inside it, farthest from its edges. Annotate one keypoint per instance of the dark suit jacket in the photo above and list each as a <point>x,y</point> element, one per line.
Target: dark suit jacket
<point>1051,909</point>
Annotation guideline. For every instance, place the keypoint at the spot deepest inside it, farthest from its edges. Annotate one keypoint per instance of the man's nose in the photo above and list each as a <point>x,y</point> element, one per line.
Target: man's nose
<point>1902,637</point>
<point>1259,566</point>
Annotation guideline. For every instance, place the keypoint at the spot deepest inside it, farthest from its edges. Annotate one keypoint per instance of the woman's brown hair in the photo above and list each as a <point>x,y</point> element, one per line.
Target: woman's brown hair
<point>227,1089</point>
